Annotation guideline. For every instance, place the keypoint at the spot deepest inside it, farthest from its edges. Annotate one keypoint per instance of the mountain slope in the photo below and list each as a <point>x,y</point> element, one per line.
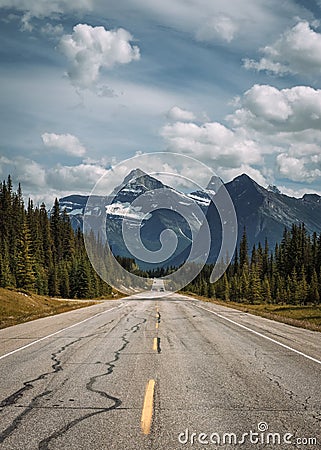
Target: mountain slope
<point>264,213</point>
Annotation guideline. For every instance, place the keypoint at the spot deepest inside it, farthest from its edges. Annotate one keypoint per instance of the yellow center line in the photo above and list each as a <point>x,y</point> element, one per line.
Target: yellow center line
<point>156,325</point>
<point>147,413</point>
<point>155,344</point>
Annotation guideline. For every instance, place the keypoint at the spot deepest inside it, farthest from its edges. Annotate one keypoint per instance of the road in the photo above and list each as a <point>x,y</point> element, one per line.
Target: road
<point>154,373</point>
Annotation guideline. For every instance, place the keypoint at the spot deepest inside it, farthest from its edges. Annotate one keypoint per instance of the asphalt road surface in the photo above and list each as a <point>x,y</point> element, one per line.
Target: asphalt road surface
<point>167,373</point>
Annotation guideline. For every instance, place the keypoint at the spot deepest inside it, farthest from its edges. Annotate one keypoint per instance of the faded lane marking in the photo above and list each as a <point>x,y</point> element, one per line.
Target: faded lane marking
<point>147,413</point>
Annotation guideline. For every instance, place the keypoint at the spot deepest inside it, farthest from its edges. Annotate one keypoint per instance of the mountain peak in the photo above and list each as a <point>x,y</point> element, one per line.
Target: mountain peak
<point>214,184</point>
<point>133,175</point>
<point>134,184</point>
<point>244,178</point>
<point>245,183</point>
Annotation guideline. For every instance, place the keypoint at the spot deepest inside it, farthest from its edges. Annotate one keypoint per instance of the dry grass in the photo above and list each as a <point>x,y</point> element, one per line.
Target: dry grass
<point>18,307</point>
<point>307,316</point>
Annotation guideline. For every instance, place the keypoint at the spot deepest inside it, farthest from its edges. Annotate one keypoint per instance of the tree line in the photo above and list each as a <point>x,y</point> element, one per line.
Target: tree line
<point>40,252</point>
<point>290,274</point>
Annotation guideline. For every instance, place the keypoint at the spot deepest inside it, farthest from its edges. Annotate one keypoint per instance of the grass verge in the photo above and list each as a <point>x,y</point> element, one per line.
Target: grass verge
<point>302,316</point>
<point>18,307</point>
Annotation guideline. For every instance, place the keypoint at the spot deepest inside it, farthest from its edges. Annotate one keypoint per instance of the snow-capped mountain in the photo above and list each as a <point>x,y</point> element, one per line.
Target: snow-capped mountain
<point>136,200</point>
<point>263,212</point>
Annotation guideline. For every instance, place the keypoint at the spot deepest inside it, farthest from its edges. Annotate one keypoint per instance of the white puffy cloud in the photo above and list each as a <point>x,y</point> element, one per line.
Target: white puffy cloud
<point>298,169</point>
<point>79,178</point>
<point>267,108</point>
<point>91,49</point>
<point>289,120</point>
<point>302,162</point>
<point>283,125</point>
<point>24,170</point>
<point>43,183</point>
<point>222,27</point>
<point>212,143</point>
<point>297,50</point>
<point>267,102</point>
<point>65,142</point>
<point>178,114</point>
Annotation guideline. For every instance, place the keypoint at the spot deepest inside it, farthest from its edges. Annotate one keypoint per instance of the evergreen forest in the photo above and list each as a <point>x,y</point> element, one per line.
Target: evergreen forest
<point>40,252</point>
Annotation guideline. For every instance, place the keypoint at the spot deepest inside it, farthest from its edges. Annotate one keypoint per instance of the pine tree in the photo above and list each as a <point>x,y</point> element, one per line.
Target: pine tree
<point>83,280</point>
<point>267,297</point>
<point>41,280</point>
<point>295,290</point>
<point>255,291</point>
<point>211,290</point>
<point>64,285</point>
<point>53,283</point>
<point>46,239</point>
<point>25,275</point>
<point>244,258</point>
<point>236,267</point>
<point>314,295</point>
<point>55,223</point>
<point>226,288</point>
<point>265,260</point>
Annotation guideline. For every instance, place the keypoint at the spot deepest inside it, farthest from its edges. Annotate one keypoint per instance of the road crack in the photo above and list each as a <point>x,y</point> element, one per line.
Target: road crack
<point>13,398</point>
<point>28,385</point>
<point>44,444</point>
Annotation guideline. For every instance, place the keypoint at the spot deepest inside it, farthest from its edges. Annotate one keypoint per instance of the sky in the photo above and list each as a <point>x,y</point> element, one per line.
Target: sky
<point>86,84</point>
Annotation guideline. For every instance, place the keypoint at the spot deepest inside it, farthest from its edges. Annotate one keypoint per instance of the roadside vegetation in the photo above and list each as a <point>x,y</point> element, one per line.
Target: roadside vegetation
<point>302,316</point>
<point>283,284</point>
<point>288,275</point>
<point>21,306</point>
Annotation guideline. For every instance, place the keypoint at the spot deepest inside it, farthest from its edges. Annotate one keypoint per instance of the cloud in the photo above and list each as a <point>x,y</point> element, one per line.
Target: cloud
<point>66,142</point>
<point>255,174</point>
<point>26,22</point>
<point>80,178</point>
<point>52,30</point>
<point>92,49</point>
<point>212,143</point>
<point>297,51</point>
<point>178,114</point>
<point>221,27</point>
<point>219,20</point>
<point>298,169</point>
<point>289,121</point>
<point>283,125</point>
<point>43,183</point>
<point>271,110</point>
<point>298,193</point>
<point>46,7</point>
<point>24,170</point>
